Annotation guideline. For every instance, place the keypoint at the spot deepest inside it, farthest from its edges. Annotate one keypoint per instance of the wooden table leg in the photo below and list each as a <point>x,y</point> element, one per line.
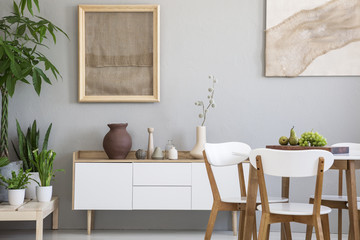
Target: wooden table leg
<point>285,188</point>
<point>90,221</point>
<point>55,216</point>
<point>351,191</point>
<point>39,225</point>
<point>250,203</point>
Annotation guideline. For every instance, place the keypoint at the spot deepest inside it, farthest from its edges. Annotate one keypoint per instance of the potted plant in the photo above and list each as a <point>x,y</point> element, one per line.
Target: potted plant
<point>27,143</point>
<point>44,161</point>
<point>21,60</point>
<point>16,185</point>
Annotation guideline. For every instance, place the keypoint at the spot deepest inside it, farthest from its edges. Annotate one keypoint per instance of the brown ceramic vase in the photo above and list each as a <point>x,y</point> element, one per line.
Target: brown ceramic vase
<point>117,142</point>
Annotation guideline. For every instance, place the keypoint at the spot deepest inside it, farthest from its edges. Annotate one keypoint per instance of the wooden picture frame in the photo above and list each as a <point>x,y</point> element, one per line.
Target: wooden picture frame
<point>119,53</point>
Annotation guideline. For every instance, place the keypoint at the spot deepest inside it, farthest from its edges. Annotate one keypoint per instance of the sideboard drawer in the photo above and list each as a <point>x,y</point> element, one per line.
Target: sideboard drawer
<point>168,174</point>
<point>162,198</point>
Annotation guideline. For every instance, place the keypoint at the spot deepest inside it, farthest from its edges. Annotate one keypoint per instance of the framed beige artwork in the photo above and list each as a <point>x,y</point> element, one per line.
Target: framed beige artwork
<point>119,53</point>
<point>312,38</point>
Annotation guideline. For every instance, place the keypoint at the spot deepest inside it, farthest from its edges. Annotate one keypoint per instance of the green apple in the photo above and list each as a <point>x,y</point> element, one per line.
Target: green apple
<point>283,140</point>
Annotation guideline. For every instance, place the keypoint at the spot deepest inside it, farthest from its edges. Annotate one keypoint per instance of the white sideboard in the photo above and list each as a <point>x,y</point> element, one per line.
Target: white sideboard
<point>130,184</point>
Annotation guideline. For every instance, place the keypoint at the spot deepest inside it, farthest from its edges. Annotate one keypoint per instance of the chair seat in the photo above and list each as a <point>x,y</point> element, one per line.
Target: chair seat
<point>335,198</point>
<point>243,200</point>
<point>294,209</point>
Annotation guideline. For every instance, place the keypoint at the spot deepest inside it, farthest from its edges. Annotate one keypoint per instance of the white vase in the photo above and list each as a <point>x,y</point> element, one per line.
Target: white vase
<point>16,196</point>
<point>43,194</point>
<point>30,192</point>
<point>196,152</point>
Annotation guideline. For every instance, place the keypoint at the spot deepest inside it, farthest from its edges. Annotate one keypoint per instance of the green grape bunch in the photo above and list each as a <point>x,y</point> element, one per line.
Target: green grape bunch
<point>313,139</point>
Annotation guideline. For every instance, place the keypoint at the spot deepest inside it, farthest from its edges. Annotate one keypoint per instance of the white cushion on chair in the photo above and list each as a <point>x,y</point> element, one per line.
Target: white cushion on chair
<point>243,200</point>
<point>294,209</point>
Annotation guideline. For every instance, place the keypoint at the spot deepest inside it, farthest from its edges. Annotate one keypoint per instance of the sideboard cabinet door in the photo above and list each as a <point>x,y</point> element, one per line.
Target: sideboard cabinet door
<point>202,198</point>
<point>106,186</point>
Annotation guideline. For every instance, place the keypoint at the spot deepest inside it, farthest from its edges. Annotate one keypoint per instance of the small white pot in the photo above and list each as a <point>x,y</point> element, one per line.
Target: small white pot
<point>43,194</point>
<point>16,196</point>
<point>30,191</point>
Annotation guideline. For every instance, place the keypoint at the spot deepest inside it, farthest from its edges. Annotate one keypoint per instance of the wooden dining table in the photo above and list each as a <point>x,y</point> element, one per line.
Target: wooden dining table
<point>347,162</point>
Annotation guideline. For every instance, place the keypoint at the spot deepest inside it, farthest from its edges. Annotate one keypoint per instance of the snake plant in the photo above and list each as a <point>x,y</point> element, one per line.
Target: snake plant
<point>28,143</point>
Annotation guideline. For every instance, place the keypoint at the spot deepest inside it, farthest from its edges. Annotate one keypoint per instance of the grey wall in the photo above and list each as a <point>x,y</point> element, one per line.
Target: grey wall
<point>198,38</point>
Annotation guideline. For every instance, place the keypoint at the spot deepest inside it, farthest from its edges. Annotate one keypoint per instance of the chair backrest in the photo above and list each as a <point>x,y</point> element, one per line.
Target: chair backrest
<point>222,161</point>
<point>291,163</point>
<point>225,154</point>
<point>353,147</point>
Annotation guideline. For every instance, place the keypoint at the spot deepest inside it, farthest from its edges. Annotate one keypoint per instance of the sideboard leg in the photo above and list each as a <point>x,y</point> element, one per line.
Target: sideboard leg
<point>90,221</point>
<point>234,222</point>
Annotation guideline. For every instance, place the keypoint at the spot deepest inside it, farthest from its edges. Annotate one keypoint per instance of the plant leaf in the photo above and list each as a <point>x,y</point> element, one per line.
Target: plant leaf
<point>1,52</point>
<point>42,74</point>
<point>29,6</point>
<point>9,53</point>
<point>15,69</point>
<point>46,138</point>
<point>10,85</point>
<point>36,82</point>
<point>16,9</point>
<point>37,5</point>
<point>21,29</point>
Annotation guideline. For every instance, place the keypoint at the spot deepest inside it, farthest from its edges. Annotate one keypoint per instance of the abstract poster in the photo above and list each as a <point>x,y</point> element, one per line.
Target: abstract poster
<point>312,38</point>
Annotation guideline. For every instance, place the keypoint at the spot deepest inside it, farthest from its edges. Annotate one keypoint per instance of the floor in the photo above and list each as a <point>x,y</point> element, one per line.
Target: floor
<point>131,235</point>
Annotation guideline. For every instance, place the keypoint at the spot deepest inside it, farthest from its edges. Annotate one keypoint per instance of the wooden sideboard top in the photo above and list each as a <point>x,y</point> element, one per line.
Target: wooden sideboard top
<point>100,156</point>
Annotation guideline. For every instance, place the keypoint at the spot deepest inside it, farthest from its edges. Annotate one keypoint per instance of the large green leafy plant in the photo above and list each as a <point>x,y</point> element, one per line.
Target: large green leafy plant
<point>21,38</point>
<point>28,143</point>
<point>16,181</point>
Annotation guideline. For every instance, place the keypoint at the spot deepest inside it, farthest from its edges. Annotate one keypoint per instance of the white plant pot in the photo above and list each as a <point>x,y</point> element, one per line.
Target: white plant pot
<point>16,196</point>
<point>43,194</point>
<point>30,192</point>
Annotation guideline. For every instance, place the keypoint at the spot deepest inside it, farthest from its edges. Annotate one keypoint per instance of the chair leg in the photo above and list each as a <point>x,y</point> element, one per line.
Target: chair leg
<point>264,223</point>
<point>268,232</point>
<point>211,222</point>
<point>318,228</point>
<point>325,225</point>
<point>309,229</point>
<point>234,222</point>
<point>254,229</point>
<point>287,231</point>
<point>241,225</point>
<point>339,224</point>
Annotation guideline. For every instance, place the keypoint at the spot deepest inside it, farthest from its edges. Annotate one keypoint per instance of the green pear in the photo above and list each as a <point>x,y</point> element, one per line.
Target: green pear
<point>293,140</point>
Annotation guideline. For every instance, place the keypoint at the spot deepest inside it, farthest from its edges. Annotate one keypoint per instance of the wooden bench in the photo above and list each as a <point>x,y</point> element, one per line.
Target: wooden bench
<point>32,211</point>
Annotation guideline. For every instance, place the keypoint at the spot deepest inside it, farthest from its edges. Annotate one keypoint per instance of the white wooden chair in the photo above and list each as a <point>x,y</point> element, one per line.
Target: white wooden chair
<point>339,201</point>
<point>228,156</point>
<point>292,164</point>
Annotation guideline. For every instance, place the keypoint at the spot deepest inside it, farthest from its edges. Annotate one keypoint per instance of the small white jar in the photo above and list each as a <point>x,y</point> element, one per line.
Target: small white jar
<point>173,153</point>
